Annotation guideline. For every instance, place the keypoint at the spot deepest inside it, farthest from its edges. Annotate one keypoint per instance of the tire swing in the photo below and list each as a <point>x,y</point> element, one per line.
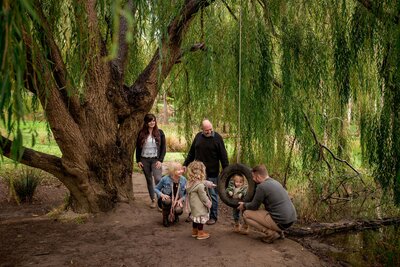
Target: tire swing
<point>224,179</point>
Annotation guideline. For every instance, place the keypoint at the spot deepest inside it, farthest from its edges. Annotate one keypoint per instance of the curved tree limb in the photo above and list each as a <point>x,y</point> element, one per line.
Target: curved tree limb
<point>165,57</point>
<point>36,159</point>
<point>60,72</point>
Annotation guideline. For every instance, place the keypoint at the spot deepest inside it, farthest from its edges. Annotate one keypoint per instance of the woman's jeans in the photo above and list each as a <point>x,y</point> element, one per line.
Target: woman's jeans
<point>150,170</point>
<point>214,198</point>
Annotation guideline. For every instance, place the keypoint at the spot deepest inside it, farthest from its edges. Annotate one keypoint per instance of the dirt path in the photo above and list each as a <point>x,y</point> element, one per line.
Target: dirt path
<point>130,236</point>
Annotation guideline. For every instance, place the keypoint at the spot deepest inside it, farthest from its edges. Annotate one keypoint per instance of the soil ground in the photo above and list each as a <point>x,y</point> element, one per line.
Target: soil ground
<point>132,235</point>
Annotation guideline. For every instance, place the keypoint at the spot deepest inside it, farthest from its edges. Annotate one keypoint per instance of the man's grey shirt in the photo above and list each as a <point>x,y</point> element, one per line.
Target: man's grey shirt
<point>276,201</point>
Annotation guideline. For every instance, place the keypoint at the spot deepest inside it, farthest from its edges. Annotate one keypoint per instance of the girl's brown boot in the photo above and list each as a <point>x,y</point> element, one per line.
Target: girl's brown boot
<point>195,232</point>
<point>201,234</point>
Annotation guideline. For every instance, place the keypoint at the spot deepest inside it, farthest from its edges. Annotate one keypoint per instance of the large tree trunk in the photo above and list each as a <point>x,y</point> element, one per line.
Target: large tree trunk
<point>96,132</point>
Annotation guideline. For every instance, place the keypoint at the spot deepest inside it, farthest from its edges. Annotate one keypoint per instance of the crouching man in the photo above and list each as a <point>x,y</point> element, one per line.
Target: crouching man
<point>279,213</point>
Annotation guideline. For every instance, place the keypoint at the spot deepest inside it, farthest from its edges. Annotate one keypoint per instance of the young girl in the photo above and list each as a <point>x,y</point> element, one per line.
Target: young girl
<point>237,189</point>
<point>150,152</point>
<point>199,201</point>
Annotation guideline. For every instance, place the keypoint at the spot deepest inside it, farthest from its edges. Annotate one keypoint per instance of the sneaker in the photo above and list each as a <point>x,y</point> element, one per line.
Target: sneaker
<point>153,204</point>
<point>211,221</point>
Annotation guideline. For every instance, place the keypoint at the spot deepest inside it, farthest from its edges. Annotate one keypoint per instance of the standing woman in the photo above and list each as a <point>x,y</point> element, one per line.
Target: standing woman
<point>150,153</point>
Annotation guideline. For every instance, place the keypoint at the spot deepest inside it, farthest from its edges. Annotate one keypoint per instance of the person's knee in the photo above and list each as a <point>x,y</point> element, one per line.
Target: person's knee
<point>166,202</point>
<point>178,211</point>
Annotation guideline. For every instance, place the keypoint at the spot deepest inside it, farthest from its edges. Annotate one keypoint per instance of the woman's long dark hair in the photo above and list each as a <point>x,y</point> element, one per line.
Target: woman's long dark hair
<point>144,132</point>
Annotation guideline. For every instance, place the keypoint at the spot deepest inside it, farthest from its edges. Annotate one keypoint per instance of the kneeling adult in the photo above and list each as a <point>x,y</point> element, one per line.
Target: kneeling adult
<point>279,213</point>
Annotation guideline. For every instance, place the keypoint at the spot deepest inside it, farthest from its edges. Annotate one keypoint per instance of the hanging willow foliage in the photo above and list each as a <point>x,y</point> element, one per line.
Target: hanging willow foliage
<point>309,71</point>
<point>322,60</point>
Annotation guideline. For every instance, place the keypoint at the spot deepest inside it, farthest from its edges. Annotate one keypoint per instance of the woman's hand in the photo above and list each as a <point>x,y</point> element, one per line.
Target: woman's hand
<point>140,164</point>
<point>158,164</point>
<point>179,203</point>
<point>164,197</point>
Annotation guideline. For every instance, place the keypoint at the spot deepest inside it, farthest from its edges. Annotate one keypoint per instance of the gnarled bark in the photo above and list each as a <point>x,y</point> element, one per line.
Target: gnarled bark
<point>96,134</point>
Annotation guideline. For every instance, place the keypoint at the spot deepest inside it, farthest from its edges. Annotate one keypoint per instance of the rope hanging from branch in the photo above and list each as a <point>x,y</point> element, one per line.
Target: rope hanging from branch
<point>239,80</point>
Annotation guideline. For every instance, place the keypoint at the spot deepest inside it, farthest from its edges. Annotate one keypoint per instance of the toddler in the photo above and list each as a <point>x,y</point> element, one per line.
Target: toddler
<point>237,189</point>
<point>198,199</point>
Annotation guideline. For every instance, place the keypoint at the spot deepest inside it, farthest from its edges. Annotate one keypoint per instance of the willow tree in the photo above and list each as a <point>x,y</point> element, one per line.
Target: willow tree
<point>304,66</point>
<point>308,71</point>
<point>74,58</point>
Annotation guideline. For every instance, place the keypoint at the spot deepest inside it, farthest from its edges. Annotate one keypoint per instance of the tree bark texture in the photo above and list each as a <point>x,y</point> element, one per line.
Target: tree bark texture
<point>96,133</point>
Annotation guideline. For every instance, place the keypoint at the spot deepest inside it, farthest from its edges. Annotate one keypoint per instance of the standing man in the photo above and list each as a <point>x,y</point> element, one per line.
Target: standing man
<point>209,148</point>
<point>279,213</point>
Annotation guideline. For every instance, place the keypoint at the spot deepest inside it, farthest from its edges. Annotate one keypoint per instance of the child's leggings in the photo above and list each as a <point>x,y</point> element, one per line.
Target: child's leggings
<point>199,226</point>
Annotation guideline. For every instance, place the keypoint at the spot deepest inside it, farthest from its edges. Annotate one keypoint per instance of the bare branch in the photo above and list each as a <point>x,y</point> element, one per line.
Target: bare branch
<point>322,146</point>
<point>230,10</point>
<point>36,159</point>
<point>288,163</point>
<point>340,160</point>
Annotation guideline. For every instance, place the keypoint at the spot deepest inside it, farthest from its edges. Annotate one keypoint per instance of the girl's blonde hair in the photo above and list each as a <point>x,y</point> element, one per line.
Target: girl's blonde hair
<point>196,171</point>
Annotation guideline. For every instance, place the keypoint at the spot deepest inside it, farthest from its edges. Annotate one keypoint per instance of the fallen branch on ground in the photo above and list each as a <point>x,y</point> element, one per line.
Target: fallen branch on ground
<point>322,229</point>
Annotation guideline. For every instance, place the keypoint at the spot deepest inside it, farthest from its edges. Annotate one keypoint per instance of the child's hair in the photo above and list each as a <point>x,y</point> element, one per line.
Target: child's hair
<point>237,177</point>
<point>196,171</point>
<point>173,168</point>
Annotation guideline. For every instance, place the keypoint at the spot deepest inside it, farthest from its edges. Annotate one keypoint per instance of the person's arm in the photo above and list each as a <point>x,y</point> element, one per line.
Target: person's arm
<point>159,186</point>
<point>257,200</point>
<point>229,189</point>
<point>201,191</point>
<point>223,155</point>
<point>191,154</point>
<point>163,147</point>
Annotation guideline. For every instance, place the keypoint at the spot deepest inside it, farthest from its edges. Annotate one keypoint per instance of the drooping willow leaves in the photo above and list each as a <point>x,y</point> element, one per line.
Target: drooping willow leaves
<point>334,64</point>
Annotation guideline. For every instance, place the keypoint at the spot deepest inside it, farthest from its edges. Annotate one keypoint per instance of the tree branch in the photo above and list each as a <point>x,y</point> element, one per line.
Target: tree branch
<point>230,10</point>
<point>120,62</point>
<point>146,86</point>
<point>322,146</point>
<point>288,163</point>
<point>59,70</point>
<point>36,159</point>
<point>64,127</point>
<point>98,70</point>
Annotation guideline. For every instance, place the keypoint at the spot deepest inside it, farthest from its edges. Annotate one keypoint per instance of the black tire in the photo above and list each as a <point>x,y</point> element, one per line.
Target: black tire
<point>224,181</point>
